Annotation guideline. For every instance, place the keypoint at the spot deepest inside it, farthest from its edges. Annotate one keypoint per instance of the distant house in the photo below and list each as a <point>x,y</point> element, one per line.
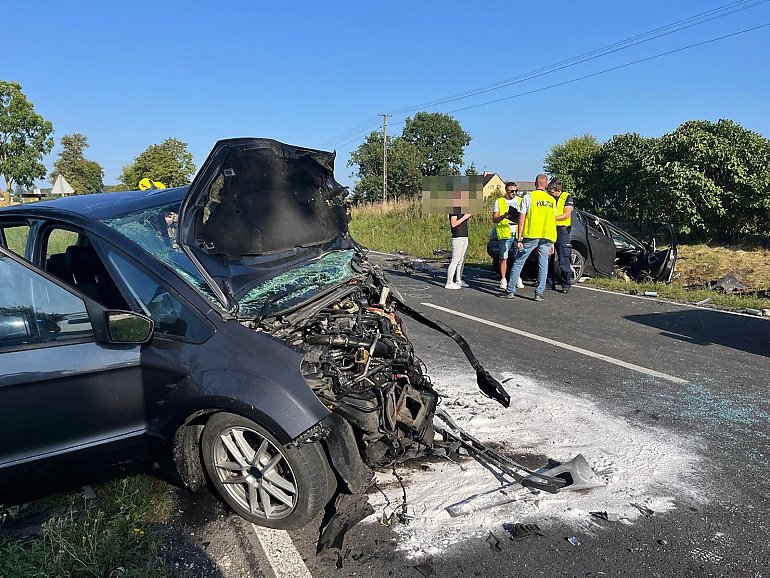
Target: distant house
<point>493,185</point>
<point>31,195</point>
<point>526,186</point>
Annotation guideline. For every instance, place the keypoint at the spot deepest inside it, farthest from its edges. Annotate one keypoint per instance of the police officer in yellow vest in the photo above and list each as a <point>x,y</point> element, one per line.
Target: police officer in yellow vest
<point>563,246</point>
<point>505,229</point>
<point>536,232</point>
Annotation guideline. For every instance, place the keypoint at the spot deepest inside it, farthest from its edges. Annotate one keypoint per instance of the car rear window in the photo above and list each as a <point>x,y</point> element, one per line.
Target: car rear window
<point>16,238</point>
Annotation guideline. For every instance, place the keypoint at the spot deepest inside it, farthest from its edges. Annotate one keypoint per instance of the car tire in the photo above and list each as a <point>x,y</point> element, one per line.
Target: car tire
<point>264,481</point>
<point>578,265</point>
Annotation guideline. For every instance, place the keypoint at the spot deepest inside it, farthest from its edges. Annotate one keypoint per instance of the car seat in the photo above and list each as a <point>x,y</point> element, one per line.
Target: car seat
<point>91,277</point>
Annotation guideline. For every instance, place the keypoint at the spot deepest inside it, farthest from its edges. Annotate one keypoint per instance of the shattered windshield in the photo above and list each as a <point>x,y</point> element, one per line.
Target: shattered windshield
<point>154,229</point>
<point>297,285</point>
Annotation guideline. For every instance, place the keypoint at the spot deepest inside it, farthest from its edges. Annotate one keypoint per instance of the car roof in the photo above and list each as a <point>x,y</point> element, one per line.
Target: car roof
<point>102,205</point>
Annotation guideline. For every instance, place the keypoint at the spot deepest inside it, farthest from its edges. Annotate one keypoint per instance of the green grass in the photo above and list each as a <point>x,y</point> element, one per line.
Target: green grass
<point>400,226</point>
<point>58,241</point>
<point>686,295</point>
<point>16,238</point>
<point>117,531</point>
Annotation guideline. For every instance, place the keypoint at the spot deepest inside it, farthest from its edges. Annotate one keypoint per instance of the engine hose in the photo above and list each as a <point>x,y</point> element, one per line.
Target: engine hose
<point>381,349</point>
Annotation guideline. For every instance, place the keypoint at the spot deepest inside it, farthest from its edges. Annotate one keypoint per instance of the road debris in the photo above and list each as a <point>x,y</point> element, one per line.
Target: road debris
<point>576,474</point>
<point>705,301</point>
<point>609,516</point>
<point>573,540</point>
<point>643,509</point>
<point>728,284</point>
<point>650,293</point>
<point>756,312</point>
<point>520,531</point>
<point>494,542</point>
<point>425,569</point>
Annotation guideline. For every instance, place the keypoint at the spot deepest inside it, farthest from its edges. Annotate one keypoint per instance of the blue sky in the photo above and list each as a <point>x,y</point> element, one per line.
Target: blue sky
<point>128,75</point>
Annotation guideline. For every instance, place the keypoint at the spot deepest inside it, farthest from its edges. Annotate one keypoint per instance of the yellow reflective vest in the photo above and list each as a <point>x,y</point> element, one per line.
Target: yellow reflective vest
<point>560,209</point>
<point>541,218</point>
<point>505,228</point>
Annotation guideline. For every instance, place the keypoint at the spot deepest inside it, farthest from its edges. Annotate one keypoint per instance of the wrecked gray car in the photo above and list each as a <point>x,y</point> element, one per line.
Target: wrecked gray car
<point>230,330</point>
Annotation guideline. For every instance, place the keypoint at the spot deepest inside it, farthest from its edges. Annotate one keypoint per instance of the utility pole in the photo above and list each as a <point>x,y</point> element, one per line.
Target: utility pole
<point>385,156</point>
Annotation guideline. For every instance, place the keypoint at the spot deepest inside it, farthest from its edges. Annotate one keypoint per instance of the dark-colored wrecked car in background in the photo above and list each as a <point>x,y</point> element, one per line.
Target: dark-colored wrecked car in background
<point>599,247</point>
<point>231,331</point>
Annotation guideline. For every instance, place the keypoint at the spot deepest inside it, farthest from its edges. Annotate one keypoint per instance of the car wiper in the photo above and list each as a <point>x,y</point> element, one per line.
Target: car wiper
<point>269,302</point>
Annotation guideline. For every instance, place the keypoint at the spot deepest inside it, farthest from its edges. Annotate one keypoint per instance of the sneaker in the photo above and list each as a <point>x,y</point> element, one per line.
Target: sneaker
<point>538,297</point>
<point>509,295</point>
<point>463,284</point>
<point>565,289</point>
<point>452,286</point>
<point>519,284</point>
<point>503,284</point>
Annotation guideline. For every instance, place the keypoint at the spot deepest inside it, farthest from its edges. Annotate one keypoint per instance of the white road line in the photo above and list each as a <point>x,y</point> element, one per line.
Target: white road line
<point>281,553</point>
<point>607,358</point>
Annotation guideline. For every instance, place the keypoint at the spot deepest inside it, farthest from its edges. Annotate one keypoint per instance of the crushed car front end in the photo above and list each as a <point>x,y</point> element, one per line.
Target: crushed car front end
<point>266,226</point>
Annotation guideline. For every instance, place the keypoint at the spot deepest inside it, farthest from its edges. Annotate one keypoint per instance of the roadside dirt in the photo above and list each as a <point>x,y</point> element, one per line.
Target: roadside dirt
<point>203,539</point>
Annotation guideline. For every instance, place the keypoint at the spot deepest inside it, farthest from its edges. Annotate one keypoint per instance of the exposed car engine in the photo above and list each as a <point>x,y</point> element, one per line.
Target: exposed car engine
<point>361,364</point>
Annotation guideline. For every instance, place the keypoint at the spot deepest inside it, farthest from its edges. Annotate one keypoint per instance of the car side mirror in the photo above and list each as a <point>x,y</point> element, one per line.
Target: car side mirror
<point>128,327</point>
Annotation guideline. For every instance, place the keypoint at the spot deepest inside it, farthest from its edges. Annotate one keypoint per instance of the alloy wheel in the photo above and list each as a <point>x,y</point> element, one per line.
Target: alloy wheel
<point>577,264</point>
<point>255,473</point>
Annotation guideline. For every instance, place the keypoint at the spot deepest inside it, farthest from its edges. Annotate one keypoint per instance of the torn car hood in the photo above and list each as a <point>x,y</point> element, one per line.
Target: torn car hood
<point>256,199</point>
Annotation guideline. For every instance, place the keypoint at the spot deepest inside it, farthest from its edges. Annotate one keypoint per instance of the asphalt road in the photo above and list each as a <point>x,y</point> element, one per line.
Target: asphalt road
<point>707,379</point>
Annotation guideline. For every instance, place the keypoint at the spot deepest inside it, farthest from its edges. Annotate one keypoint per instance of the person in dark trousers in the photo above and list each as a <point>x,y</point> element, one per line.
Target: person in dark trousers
<point>563,245</point>
<point>459,226</point>
<point>536,232</point>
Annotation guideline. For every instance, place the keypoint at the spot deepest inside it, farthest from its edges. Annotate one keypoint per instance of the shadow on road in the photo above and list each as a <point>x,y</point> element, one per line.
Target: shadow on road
<point>701,327</point>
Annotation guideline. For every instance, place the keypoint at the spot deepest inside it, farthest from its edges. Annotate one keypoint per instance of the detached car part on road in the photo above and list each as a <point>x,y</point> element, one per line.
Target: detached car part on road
<point>599,247</point>
<point>230,330</point>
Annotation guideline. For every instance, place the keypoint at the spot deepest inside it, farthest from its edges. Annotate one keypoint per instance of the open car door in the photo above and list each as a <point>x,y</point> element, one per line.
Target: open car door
<point>662,254</point>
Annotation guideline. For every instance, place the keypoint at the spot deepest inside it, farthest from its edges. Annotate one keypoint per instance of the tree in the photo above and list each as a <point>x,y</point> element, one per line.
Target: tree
<point>85,176</point>
<point>169,162</point>
<point>713,180</point>
<point>471,170</point>
<point>404,178</point>
<point>569,160</point>
<point>617,181</point>
<point>710,180</point>
<point>25,137</point>
<point>440,140</point>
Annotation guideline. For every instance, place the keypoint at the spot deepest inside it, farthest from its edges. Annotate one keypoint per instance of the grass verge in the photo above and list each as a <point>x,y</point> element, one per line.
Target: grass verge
<point>717,299</point>
<point>112,535</point>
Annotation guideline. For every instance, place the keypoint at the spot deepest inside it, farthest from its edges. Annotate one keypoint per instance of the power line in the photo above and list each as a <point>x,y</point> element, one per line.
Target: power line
<point>678,26</point>
<point>371,121</point>
<point>598,73</point>
<point>627,64</point>
<point>362,129</point>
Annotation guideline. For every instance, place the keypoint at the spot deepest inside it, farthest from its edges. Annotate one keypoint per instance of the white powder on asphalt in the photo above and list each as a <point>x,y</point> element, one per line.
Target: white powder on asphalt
<point>639,465</point>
